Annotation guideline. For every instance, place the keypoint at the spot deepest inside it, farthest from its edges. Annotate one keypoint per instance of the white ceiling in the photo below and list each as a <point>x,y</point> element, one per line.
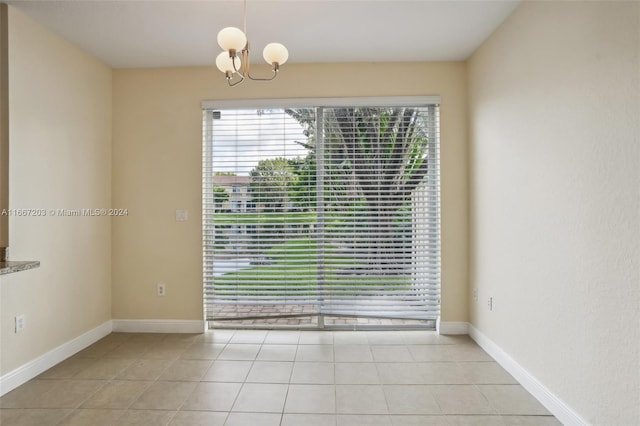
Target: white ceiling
<point>166,33</point>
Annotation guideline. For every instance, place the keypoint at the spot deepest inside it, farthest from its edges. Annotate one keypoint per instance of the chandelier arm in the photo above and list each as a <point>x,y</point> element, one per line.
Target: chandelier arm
<point>232,55</point>
<point>275,70</point>
<point>236,83</point>
<point>275,74</point>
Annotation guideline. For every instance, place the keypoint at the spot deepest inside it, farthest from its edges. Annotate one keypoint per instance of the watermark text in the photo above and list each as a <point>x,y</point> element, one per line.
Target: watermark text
<point>64,212</point>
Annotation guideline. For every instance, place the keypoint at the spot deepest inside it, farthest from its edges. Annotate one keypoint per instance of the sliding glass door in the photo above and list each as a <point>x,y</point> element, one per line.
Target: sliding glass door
<point>321,215</point>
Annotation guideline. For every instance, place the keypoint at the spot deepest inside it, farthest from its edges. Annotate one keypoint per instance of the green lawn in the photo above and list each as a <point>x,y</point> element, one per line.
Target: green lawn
<point>246,218</point>
<point>294,268</point>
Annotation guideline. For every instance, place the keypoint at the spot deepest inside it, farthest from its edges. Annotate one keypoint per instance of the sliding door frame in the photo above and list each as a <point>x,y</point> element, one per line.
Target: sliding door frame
<point>211,105</point>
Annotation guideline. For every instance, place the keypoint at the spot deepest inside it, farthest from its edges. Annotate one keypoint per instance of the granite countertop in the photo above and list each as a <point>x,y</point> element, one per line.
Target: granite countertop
<point>15,266</point>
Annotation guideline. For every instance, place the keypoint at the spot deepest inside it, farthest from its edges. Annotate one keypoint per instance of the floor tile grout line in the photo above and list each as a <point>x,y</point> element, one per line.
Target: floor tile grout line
<point>106,381</point>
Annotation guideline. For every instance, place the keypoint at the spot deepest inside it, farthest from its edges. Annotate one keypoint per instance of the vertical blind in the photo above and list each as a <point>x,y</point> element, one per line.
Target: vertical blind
<point>322,211</point>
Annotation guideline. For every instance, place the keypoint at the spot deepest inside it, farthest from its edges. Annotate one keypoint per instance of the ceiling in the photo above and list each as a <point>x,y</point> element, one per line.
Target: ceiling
<point>168,33</point>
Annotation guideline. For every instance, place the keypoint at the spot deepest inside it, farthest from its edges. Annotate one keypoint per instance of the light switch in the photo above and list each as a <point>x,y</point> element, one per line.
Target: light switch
<point>182,215</point>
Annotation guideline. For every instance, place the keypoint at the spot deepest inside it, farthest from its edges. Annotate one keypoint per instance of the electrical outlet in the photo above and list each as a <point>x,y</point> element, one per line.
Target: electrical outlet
<point>20,323</point>
<point>182,215</point>
<point>490,303</point>
<point>475,294</point>
<point>162,289</point>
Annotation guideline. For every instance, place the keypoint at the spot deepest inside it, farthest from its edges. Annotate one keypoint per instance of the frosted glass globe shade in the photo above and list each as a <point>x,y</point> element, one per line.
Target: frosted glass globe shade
<point>224,63</point>
<point>231,38</point>
<point>275,52</point>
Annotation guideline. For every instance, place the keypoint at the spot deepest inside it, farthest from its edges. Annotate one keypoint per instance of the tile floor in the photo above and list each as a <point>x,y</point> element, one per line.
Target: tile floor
<point>292,378</point>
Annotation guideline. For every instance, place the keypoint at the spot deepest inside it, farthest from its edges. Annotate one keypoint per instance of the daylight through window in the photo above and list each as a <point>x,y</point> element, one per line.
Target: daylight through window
<point>322,215</point>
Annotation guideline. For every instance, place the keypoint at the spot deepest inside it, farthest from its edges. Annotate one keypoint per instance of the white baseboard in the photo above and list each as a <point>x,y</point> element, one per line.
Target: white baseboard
<point>158,326</point>
<point>551,402</point>
<point>33,368</point>
<point>452,327</point>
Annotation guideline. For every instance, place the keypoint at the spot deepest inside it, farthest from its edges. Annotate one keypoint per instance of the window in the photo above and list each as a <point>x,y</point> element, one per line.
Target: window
<point>343,210</point>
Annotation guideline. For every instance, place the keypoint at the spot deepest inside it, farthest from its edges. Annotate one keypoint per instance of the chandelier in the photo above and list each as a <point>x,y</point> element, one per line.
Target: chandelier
<point>234,61</point>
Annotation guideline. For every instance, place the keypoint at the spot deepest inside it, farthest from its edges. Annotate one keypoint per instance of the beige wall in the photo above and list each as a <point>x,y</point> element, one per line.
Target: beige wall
<point>555,159</point>
<point>157,169</point>
<point>60,157</point>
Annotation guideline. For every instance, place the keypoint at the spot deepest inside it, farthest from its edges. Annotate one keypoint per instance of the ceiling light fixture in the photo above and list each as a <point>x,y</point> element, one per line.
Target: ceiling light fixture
<point>235,58</point>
